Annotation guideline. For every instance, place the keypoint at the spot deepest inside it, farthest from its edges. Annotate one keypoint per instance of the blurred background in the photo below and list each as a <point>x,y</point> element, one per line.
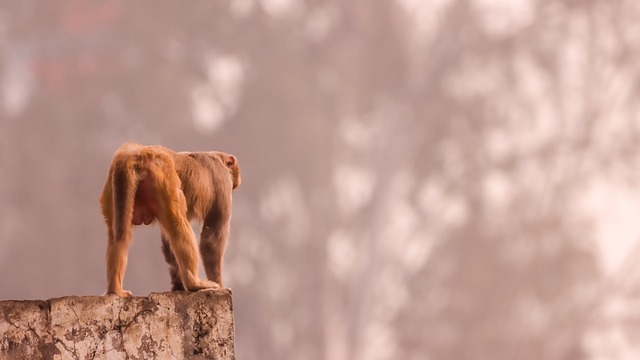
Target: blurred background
<point>445,179</point>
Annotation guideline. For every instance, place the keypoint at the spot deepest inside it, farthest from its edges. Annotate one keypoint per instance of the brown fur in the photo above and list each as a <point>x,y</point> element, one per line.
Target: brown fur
<point>148,183</point>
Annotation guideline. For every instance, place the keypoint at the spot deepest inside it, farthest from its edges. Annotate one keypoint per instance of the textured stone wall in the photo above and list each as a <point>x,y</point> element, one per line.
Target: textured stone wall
<point>175,325</point>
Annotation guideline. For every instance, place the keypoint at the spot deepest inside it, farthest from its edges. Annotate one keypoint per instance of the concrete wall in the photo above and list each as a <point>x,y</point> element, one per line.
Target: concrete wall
<point>176,325</point>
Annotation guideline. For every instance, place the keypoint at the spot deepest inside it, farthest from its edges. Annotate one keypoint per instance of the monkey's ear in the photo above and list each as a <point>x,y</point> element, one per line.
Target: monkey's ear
<point>231,160</point>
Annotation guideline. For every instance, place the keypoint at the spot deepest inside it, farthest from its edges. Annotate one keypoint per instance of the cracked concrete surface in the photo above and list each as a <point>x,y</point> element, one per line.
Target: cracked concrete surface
<point>175,325</point>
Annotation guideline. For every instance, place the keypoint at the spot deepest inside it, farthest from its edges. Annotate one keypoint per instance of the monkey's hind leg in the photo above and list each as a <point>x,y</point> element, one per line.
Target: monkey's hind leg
<point>176,283</point>
<point>117,263</point>
<point>182,241</point>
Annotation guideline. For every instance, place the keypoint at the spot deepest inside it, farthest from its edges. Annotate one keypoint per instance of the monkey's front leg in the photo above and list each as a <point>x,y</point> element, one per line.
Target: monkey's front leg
<point>213,243</point>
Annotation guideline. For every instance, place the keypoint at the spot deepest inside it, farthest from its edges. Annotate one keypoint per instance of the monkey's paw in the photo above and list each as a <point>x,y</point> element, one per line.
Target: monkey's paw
<point>121,293</point>
<point>124,293</point>
<point>205,285</point>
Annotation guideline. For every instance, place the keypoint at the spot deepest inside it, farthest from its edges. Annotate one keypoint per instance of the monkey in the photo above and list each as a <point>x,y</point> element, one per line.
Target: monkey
<point>149,183</point>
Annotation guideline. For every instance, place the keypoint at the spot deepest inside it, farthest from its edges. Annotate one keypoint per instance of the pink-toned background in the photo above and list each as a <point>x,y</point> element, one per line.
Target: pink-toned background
<point>450,179</point>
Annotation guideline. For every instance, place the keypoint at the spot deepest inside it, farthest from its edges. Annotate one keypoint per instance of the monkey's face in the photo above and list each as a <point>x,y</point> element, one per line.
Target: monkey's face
<point>231,164</point>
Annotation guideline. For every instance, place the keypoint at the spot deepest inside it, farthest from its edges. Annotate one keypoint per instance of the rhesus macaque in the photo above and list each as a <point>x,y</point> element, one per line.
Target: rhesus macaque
<point>148,183</point>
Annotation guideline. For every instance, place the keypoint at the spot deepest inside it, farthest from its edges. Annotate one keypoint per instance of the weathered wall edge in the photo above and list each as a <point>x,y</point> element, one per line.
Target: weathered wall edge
<point>173,325</point>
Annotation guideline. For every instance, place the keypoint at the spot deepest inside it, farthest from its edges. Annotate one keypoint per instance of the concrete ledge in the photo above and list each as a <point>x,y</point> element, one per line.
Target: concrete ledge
<point>173,325</point>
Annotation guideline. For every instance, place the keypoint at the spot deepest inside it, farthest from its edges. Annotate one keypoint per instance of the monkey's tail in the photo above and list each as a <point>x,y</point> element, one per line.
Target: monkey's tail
<point>125,183</point>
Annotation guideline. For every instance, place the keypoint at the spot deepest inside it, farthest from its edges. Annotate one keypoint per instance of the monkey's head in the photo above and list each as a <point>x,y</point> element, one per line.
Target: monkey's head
<point>231,163</point>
